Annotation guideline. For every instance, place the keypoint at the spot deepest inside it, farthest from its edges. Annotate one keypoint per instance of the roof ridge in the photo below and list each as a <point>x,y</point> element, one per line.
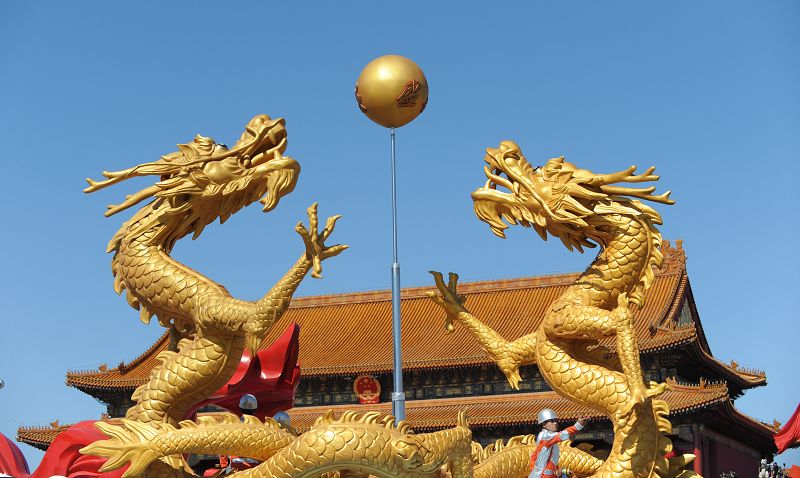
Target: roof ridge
<point>419,292</point>
<point>702,386</point>
<point>143,356</point>
<point>746,370</point>
<point>41,428</point>
<point>752,419</point>
<point>751,376</point>
<point>79,373</point>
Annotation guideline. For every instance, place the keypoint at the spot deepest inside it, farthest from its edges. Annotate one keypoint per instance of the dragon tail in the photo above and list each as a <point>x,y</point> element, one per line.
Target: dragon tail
<point>129,444</point>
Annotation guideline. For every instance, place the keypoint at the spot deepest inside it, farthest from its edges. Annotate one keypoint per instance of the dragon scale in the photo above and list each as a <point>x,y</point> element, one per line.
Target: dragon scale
<point>201,182</point>
<point>512,459</point>
<point>183,298</point>
<point>204,181</point>
<point>582,209</point>
<point>352,445</point>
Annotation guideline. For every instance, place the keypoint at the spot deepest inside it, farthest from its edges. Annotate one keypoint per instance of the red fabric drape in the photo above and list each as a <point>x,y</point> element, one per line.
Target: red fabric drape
<point>789,435</point>
<point>12,461</point>
<point>62,457</point>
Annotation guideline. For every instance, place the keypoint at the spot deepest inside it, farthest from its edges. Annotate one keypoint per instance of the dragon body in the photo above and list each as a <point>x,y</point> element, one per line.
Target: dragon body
<point>583,209</point>
<point>199,183</point>
<point>353,445</point>
<point>362,444</point>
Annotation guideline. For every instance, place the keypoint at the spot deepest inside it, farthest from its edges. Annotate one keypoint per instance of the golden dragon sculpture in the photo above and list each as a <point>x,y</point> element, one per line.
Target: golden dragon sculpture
<point>583,209</point>
<point>353,444</point>
<point>202,181</point>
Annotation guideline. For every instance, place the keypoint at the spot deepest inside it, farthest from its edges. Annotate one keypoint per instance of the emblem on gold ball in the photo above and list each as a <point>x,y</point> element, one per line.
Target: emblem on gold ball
<point>392,91</point>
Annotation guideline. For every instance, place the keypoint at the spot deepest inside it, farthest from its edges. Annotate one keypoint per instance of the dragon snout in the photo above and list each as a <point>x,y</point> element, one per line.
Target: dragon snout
<point>263,122</point>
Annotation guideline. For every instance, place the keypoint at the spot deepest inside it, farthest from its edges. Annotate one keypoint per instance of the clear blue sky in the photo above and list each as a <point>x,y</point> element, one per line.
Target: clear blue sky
<point>706,91</point>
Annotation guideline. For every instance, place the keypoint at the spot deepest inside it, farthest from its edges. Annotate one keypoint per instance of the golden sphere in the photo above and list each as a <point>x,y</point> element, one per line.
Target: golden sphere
<point>392,91</point>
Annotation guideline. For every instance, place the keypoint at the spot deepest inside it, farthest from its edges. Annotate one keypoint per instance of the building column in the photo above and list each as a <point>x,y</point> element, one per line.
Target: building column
<point>698,450</point>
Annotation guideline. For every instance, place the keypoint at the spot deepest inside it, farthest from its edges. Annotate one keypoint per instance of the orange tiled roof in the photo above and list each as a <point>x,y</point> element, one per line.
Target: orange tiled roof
<point>511,409</point>
<point>351,333</point>
<point>482,411</point>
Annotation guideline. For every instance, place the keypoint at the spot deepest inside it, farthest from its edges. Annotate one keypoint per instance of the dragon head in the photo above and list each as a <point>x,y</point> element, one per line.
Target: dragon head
<point>558,198</point>
<point>205,180</point>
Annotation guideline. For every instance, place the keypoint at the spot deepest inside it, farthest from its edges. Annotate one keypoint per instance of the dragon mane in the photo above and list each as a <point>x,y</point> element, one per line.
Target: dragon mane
<point>187,198</point>
<point>567,202</point>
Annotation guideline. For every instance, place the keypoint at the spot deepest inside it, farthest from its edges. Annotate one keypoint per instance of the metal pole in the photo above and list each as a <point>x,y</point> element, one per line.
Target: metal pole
<point>398,397</point>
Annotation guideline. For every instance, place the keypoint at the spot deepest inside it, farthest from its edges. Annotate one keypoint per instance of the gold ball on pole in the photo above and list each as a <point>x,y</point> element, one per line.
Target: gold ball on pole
<point>392,91</point>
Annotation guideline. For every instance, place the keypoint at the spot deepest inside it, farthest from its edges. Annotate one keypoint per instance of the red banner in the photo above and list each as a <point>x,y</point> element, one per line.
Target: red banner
<point>789,435</point>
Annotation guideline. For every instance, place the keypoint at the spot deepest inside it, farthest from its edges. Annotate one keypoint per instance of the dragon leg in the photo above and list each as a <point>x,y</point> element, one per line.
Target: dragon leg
<point>508,355</point>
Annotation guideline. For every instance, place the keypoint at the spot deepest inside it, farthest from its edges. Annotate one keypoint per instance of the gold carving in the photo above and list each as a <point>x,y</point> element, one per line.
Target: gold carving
<point>582,209</point>
<point>360,102</point>
<point>409,95</point>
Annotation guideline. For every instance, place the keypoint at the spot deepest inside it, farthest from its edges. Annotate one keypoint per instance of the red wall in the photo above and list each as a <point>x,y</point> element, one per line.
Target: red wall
<point>723,458</point>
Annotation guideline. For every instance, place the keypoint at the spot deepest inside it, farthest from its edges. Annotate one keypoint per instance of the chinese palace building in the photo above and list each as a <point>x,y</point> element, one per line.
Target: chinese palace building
<point>346,341</point>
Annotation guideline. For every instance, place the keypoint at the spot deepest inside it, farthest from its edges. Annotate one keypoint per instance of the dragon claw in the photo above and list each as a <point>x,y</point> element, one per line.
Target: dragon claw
<point>450,300</point>
<point>655,389</point>
<point>314,240</point>
<point>513,377</point>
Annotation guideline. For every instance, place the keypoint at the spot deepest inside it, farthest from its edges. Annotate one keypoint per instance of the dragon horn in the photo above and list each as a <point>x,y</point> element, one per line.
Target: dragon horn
<point>625,176</point>
<point>113,177</point>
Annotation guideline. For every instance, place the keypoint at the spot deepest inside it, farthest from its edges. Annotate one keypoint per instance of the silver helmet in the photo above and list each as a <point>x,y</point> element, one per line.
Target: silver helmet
<point>248,402</point>
<point>545,415</point>
<point>282,418</point>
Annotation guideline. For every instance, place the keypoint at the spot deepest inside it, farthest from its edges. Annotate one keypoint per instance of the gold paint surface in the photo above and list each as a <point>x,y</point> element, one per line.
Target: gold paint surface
<point>201,182</point>
<point>392,91</point>
<point>582,209</point>
<point>205,181</point>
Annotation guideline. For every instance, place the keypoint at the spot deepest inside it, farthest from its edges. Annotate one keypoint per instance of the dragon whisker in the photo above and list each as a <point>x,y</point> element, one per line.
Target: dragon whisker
<point>639,193</point>
<point>132,200</point>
